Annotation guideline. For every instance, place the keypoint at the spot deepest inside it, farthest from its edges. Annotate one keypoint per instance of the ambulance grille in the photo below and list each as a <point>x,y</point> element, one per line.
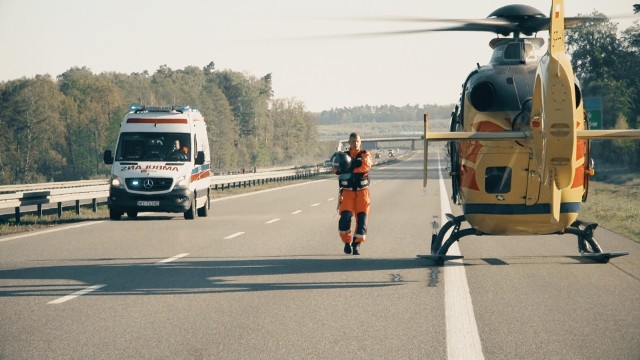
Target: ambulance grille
<point>149,184</point>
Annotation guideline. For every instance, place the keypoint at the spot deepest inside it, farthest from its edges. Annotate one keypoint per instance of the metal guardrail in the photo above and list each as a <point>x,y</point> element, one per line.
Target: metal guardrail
<point>17,196</point>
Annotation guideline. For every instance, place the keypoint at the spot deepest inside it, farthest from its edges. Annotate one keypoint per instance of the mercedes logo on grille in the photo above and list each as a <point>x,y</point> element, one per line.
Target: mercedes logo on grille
<point>148,184</point>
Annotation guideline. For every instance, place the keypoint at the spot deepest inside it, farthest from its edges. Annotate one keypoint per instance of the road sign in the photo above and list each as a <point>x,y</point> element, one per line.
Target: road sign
<point>593,107</point>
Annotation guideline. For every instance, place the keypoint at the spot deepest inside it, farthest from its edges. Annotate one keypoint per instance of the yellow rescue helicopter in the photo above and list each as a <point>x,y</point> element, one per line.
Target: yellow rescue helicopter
<point>519,138</point>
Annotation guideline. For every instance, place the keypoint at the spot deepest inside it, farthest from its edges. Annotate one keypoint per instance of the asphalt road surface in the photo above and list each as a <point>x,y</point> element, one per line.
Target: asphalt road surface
<point>264,277</point>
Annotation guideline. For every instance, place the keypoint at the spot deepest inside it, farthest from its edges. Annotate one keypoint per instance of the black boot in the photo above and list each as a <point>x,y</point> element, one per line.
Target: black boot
<point>347,248</point>
<point>355,246</point>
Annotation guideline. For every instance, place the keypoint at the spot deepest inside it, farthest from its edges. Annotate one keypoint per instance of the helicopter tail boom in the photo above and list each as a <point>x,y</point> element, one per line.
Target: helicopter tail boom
<point>608,134</point>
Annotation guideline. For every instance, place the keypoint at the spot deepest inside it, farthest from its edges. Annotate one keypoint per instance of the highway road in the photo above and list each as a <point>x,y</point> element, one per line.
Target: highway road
<point>264,277</point>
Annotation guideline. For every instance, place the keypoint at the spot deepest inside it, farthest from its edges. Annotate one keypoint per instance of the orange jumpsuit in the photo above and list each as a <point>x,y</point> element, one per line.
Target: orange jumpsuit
<point>354,199</point>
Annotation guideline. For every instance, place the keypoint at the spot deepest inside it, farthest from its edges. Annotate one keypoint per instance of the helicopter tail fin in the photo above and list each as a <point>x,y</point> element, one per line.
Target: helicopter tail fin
<point>556,29</point>
<point>554,112</point>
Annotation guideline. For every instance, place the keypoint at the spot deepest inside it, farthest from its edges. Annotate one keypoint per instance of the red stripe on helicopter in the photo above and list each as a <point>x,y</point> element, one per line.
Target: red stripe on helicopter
<point>468,178</point>
<point>580,149</point>
<point>578,177</point>
<point>156,121</point>
<point>488,126</point>
<point>469,150</point>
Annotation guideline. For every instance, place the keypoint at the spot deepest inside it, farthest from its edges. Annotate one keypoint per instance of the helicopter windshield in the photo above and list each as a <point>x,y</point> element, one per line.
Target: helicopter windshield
<point>518,51</point>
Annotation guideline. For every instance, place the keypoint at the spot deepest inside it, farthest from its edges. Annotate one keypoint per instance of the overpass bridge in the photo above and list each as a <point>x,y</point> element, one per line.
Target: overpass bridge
<point>375,143</point>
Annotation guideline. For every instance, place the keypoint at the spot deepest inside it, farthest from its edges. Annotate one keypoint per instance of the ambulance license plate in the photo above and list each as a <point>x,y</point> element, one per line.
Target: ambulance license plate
<point>148,203</point>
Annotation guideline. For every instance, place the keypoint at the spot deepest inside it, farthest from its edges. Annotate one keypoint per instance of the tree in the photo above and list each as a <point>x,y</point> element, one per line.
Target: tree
<point>30,114</point>
<point>97,101</point>
<point>609,67</point>
<point>221,127</point>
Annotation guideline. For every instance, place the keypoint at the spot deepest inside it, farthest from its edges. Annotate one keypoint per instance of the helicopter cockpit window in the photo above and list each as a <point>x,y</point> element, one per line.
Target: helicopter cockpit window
<point>530,52</point>
<point>512,52</point>
<point>497,180</point>
<point>519,52</point>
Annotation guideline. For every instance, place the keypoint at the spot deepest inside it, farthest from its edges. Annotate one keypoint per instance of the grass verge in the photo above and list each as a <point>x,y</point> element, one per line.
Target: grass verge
<point>616,207</point>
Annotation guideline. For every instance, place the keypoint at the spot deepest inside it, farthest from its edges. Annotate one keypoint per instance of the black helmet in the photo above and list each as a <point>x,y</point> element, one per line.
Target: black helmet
<point>341,162</point>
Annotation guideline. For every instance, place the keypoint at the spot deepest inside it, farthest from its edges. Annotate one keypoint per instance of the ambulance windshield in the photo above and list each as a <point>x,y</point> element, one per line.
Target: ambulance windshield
<point>153,146</point>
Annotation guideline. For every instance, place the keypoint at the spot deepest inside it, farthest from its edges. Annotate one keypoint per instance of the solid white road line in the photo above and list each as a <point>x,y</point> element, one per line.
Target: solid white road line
<point>172,258</point>
<point>463,340</point>
<point>272,221</point>
<point>266,190</point>
<point>76,294</point>
<point>296,212</point>
<point>234,235</point>
<point>51,230</point>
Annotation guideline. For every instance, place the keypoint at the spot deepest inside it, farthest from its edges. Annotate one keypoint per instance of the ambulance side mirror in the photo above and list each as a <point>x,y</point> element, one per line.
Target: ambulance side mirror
<point>108,157</point>
<point>200,158</point>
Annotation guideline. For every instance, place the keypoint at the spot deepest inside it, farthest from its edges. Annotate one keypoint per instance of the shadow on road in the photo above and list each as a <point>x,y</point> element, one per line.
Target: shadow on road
<point>193,276</point>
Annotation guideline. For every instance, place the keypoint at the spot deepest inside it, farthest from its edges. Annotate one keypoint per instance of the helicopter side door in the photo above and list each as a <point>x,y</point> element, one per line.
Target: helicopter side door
<point>533,183</point>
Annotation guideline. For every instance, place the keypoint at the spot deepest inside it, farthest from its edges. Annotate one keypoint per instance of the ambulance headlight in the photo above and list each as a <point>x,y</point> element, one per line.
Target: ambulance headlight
<point>116,182</point>
<point>182,182</point>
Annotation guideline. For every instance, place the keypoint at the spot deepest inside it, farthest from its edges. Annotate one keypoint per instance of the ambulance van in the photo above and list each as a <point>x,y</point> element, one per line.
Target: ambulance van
<point>161,163</point>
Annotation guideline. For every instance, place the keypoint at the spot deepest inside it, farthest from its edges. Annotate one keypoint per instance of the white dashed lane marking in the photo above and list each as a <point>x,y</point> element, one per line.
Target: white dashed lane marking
<point>296,212</point>
<point>173,258</point>
<point>316,204</point>
<point>272,221</point>
<point>76,294</point>
<point>234,235</point>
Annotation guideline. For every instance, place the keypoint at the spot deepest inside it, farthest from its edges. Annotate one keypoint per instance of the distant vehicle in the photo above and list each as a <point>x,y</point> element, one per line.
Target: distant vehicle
<point>161,164</point>
<point>391,153</point>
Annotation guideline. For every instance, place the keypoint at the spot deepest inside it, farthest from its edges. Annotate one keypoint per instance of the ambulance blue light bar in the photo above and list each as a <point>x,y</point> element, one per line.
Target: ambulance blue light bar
<point>154,108</point>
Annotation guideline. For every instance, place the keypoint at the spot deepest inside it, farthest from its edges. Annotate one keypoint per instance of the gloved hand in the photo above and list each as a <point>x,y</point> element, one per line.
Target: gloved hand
<point>356,163</point>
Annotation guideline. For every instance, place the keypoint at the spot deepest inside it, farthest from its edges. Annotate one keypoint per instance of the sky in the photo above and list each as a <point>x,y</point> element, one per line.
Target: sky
<point>289,39</point>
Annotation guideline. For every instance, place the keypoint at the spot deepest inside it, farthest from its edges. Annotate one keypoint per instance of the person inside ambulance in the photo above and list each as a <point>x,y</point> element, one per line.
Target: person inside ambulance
<point>178,152</point>
<point>352,167</point>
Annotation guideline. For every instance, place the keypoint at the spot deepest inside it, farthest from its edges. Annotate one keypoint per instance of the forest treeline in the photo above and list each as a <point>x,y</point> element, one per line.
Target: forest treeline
<point>383,113</point>
<point>608,66</point>
<point>56,129</point>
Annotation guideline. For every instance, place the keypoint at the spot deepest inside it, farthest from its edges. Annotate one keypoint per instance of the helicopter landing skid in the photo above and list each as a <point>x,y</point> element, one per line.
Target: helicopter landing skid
<point>604,256</point>
<point>440,259</point>
<point>439,249</point>
<point>583,230</point>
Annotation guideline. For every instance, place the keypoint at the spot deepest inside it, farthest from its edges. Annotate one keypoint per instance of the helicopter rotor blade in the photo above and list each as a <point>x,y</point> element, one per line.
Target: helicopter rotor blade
<point>503,26</point>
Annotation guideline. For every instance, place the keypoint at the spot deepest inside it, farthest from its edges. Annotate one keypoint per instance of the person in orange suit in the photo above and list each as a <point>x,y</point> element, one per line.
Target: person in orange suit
<point>353,167</point>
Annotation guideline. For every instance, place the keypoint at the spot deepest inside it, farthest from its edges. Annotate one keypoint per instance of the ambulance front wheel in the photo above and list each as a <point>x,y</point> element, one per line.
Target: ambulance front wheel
<point>191,213</point>
<point>204,211</point>
<point>115,214</point>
